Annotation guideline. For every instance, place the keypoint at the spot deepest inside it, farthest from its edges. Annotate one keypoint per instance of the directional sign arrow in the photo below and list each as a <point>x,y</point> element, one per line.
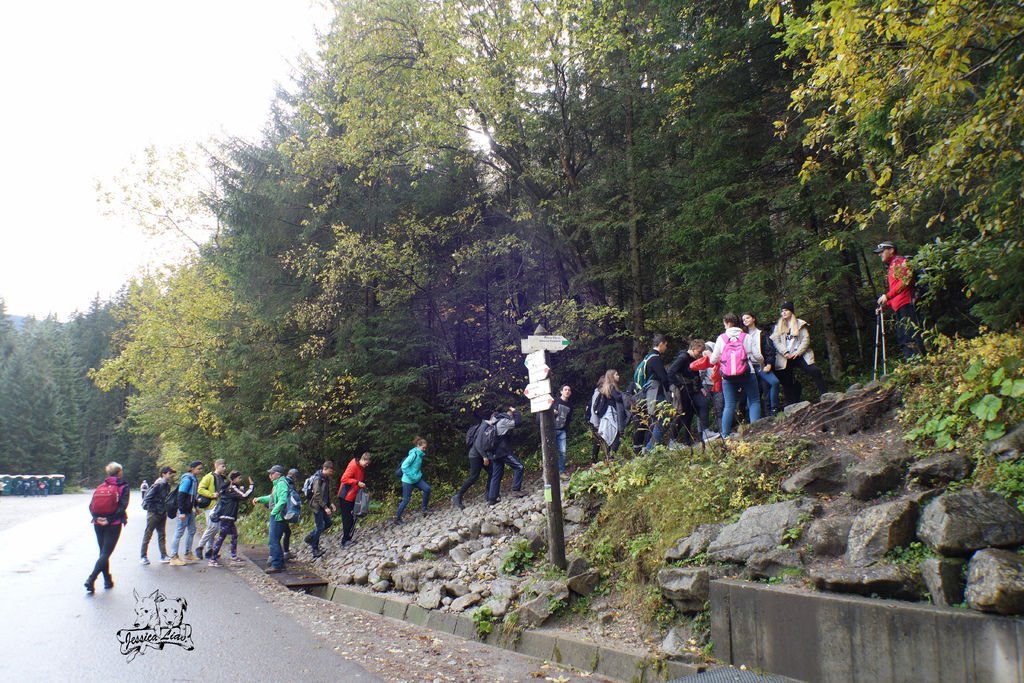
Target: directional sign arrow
<point>541,403</point>
<point>537,389</point>
<point>543,342</point>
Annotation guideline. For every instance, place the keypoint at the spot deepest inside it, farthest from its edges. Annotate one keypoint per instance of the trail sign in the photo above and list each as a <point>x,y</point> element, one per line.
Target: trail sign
<point>537,366</point>
<point>543,342</point>
<point>537,389</point>
<point>541,403</point>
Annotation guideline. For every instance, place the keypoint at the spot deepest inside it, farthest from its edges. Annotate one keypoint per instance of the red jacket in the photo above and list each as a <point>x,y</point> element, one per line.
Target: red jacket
<point>703,363</point>
<point>352,476</point>
<point>901,283</point>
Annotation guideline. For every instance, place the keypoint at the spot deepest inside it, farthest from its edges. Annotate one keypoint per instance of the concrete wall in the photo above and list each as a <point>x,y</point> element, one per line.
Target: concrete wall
<point>830,638</point>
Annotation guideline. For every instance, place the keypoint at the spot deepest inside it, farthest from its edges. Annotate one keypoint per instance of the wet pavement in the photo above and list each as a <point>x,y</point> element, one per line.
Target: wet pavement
<point>51,629</point>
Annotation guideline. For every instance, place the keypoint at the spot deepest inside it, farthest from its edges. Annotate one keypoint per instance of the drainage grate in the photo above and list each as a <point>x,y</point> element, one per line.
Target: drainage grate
<point>732,675</point>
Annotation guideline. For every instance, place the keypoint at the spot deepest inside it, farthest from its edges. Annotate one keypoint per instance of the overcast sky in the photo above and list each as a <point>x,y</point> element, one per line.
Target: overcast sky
<point>87,86</point>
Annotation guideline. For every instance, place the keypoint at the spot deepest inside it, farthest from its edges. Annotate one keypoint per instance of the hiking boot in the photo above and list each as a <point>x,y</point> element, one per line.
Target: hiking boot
<point>274,570</point>
<point>190,558</point>
<point>177,561</point>
<point>90,586</point>
<point>108,582</point>
<point>519,494</point>
<point>398,520</point>
<point>199,554</point>
<point>214,563</point>
<point>457,502</point>
<point>165,559</point>
<point>144,560</point>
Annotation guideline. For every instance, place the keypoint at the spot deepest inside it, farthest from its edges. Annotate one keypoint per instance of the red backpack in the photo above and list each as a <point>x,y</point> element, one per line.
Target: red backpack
<point>105,499</point>
<point>734,356</point>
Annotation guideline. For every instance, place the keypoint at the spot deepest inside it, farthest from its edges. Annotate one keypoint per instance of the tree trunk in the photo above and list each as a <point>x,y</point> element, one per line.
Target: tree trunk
<point>835,356</point>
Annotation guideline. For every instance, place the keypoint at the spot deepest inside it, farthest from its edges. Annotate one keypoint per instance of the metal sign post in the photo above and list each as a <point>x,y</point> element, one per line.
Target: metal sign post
<point>539,393</point>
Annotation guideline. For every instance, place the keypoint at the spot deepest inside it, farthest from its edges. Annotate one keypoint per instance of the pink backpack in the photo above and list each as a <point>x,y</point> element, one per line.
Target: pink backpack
<point>105,499</point>
<point>734,356</point>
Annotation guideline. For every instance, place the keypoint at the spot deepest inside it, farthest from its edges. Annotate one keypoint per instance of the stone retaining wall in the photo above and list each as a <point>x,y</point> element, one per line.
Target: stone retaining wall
<point>828,638</point>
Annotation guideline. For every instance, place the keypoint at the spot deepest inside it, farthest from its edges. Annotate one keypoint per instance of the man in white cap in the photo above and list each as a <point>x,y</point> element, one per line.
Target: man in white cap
<point>900,298</point>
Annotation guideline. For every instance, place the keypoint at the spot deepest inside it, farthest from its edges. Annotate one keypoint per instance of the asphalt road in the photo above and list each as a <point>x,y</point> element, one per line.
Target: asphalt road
<point>51,629</point>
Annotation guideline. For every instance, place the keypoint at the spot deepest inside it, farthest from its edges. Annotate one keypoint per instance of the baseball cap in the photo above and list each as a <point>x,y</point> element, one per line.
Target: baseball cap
<point>883,245</point>
<point>165,470</point>
<point>276,468</point>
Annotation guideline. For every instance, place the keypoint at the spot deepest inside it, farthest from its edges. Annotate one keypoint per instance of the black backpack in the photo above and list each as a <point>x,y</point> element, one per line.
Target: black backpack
<point>486,437</point>
<point>171,503</point>
<point>471,434</point>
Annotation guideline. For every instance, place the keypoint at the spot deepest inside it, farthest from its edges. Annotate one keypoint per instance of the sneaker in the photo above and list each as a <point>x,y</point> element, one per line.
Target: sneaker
<point>274,570</point>
<point>287,555</point>
<point>709,435</point>
<point>177,561</point>
<point>214,563</point>
<point>144,560</point>
<point>165,559</point>
<point>108,582</point>
<point>237,560</point>
<point>199,554</point>
<point>398,520</point>
<point>189,558</point>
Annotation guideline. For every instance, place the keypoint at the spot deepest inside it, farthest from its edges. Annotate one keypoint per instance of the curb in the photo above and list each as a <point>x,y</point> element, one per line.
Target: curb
<point>546,646</point>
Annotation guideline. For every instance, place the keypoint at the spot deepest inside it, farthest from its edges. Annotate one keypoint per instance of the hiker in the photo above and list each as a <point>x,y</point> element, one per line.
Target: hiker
<point>562,412</point>
<point>412,477</point>
<point>693,398</point>
<point>352,479</point>
<point>143,489</point>
<point>765,376</point>
<point>155,505</point>
<point>276,501</point>
<point>479,460</point>
<point>734,353</point>
<point>109,510</point>
<point>504,423</point>
<point>188,489</point>
<point>209,490</point>
<point>792,340</point>
<point>900,298</point>
<point>608,414</point>
<point>229,498</point>
<point>291,478</point>
<point>321,505</point>
<point>711,387</point>
<point>651,385</point>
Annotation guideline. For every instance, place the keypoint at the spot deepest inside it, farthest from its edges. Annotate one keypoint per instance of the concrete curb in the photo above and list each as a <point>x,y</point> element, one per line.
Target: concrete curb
<point>538,643</point>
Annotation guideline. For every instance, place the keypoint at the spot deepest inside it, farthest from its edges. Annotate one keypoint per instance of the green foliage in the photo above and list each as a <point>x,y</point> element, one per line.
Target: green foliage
<point>519,558</point>
<point>970,398</point>
<point>910,556</point>
<point>484,620</point>
<point>1009,481</point>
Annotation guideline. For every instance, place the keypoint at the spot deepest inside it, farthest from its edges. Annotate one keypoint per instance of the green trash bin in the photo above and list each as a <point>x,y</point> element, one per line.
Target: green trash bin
<point>6,485</point>
<point>57,485</point>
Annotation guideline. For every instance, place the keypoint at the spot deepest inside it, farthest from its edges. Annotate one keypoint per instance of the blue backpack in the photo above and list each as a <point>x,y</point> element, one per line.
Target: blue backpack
<point>293,508</point>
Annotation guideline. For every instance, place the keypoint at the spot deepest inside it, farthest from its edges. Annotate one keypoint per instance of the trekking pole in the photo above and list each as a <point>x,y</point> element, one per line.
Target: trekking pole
<point>881,323</point>
<point>878,328</point>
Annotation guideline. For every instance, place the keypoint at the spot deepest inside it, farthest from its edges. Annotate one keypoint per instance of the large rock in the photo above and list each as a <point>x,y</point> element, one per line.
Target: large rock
<point>885,580</point>
<point>504,588</point>
<point>585,583</point>
<point>828,536</point>
<point>995,582</point>
<point>687,588</point>
<point>497,605</point>
<point>694,544</point>
<point>826,475</point>
<point>1009,447</point>
<point>941,469</point>
<point>576,565</point>
<point>943,576</point>
<point>774,563</point>
<point>879,529</point>
<point>876,475</point>
<point>468,600</point>
<point>429,598</point>
<point>959,523</point>
<point>759,529</point>
<point>534,612</point>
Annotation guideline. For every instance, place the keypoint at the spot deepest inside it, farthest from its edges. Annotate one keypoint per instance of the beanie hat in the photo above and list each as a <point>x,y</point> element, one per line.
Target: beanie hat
<point>788,305</point>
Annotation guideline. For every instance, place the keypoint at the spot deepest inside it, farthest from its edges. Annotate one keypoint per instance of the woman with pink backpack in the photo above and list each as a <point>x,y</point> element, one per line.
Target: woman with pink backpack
<point>734,352</point>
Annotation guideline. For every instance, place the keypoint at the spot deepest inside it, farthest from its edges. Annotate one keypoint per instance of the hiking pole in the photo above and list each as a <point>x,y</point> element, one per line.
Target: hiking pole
<point>881,323</point>
<point>878,328</point>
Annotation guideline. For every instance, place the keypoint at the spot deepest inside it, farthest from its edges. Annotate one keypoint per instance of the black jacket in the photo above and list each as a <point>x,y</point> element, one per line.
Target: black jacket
<point>681,373</point>
<point>230,497</point>
<point>156,497</point>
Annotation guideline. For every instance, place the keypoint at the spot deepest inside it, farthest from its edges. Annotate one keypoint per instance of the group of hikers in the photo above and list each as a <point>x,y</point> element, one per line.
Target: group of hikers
<point>705,379</point>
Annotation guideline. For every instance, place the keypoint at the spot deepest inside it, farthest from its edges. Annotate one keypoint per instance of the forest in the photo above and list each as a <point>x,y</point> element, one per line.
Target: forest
<point>445,175</point>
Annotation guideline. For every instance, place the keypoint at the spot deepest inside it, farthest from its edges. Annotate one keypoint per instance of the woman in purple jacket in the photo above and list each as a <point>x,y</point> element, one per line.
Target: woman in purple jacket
<point>109,509</point>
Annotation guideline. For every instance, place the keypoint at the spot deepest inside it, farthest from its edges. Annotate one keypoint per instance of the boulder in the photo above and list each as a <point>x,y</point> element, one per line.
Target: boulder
<point>553,590</point>
<point>488,528</point>
<point>429,598</point>
<point>455,589</point>
<point>828,536</point>
<point>360,576</point>
<point>1008,447</point>
<point>885,580</point>
<point>995,582</point>
<point>795,408</point>
<point>497,605</point>
<point>876,475</point>
<point>577,565</point>
<point>534,612</point>
<point>459,554</point>
<point>830,396</point>
<point>961,522</point>
<point>585,583</point>
<point>381,586</point>
<point>467,600</point>
<point>941,469</point>
<point>405,580</point>
<point>943,577</point>
<point>774,563</point>
<point>504,588</point>
<point>574,514</point>
<point>686,588</point>
<point>823,476</point>
<point>879,529</point>
<point>694,544</point>
<point>536,540</point>
<point>760,528</point>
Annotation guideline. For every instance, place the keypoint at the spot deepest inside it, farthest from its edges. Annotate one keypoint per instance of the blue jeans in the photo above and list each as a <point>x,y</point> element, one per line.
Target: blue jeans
<point>730,388</point>
<point>187,527</point>
<point>657,431</point>
<point>498,471</point>
<point>422,485</point>
<point>322,521</point>
<point>277,527</point>
<point>560,437</point>
<point>773,383</point>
